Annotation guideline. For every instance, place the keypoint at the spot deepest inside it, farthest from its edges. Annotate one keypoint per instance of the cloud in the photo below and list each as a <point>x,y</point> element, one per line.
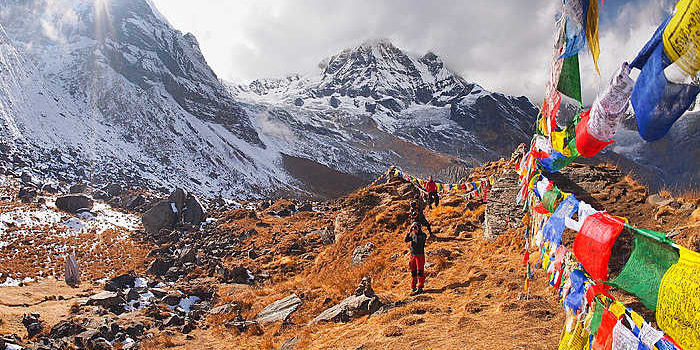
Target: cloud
<point>502,45</point>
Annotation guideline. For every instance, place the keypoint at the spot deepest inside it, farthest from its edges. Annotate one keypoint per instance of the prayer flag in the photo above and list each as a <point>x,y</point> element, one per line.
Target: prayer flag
<point>658,102</point>
<point>594,242</point>
<point>645,267</point>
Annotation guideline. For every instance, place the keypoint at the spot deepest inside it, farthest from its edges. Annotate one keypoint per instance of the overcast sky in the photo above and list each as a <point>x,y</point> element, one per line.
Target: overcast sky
<point>503,45</point>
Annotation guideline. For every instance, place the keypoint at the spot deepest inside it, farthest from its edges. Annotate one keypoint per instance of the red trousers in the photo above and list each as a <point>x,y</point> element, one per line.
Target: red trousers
<point>417,264</point>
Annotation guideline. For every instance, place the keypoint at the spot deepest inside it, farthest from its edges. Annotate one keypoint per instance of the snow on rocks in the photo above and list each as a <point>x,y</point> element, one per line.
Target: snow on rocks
<point>43,234</point>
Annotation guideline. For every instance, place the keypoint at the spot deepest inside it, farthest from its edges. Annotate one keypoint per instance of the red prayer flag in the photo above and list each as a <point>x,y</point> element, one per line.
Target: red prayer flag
<point>593,244</point>
<point>603,339</point>
<point>586,144</point>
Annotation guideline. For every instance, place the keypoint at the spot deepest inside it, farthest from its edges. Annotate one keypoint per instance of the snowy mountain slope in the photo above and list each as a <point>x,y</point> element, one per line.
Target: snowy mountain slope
<point>110,90</point>
<point>416,99</point>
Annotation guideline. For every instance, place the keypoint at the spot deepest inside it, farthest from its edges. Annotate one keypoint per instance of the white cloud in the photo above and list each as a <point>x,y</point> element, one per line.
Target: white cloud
<point>503,45</point>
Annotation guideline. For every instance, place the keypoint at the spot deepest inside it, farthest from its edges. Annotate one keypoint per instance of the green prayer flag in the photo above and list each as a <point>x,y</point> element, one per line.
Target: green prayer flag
<point>597,316</point>
<point>570,78</point>
<point>550,199</point>
<point>652,256</point>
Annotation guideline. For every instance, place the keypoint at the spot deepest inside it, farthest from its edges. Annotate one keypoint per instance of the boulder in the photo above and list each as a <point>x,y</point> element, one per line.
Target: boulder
<point>361,253</point>
<point>74,203</point>
<point>133,202</point>
<point>280,310</point>
<point>334,102</point>
<point>159,216</point>
<point>174,321</point>
<point>159,267</point>
<point>100,195</point>
<point>124,281</point>
<point>352,307</point>
<point>78,188</point>
<point>178,197</point>
<point>362,302</point>
<point>193,212</point>
<point>298,101</point>
<point>187,255</point>
<point>27,194</point>
<point>113,189</point>
<point>659,201</point>
<point>66,328</point>
<point>106,299</point>
<point>33,323</point>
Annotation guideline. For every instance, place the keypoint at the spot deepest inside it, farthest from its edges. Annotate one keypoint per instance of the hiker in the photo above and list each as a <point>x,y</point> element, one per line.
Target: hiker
<point>418,217</point>
<point>417,260</point>
<point>433,197</point>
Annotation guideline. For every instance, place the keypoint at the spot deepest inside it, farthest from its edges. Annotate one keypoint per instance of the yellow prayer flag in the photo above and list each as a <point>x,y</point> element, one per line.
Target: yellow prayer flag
<point>682,36</point>
<point>678,307</point>
<point>592,32</point>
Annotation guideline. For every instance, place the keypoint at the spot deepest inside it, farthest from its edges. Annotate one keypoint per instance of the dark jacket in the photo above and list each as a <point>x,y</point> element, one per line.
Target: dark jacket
<point>417,242</point>
<point>419,217</point>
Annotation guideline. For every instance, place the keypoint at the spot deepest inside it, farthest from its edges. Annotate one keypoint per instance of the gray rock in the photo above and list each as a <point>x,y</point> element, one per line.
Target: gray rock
<point>362,302</point>
<point>124,281</point>
<point>74,203</point>
<point>27,194</point>
<point>280,310</point>
<point>659,201</point>
<point>78,188</point>
<point>174,321</point>
<point>352,307</point>
<point>82,339</point>
<point>158,217</point>
<point>158,267</point>
<point>361,253</point>
<point>193,213</point>
<point>187,255</point>
<point>178,197</point>
<point>106,299</point>
<point>113,189</point>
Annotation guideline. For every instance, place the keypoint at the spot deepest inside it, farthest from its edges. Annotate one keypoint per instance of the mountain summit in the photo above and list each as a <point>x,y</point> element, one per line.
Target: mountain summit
<point>416,98</point>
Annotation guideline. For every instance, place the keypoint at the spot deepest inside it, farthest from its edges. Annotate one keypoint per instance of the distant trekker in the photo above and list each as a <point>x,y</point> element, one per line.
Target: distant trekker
<point>417,261</point>
<point>433,197</point>
<point>418,217</point>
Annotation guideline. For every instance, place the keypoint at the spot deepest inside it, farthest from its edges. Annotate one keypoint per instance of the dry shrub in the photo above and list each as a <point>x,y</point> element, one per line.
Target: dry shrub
<point>159,341</point>
<point>392,331</point>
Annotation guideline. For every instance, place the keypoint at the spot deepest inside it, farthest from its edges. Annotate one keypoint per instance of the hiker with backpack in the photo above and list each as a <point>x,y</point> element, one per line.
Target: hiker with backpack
<point>417,216</point>
<point>433,197</point>
<point>417,260</point>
